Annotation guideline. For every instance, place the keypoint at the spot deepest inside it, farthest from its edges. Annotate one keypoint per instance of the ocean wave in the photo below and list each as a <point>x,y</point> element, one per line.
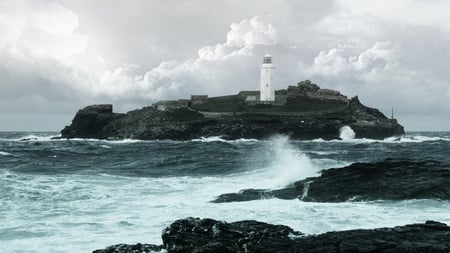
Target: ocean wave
<point>32,138</point>
<point>417,138</point>
<point>326,152</point>
<point>122,141</point>
<point>5,153</point>
<point>220,139</point>
<point>393,139</point>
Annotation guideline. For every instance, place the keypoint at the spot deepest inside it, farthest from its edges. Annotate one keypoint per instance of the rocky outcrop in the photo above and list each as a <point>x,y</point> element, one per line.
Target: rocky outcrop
<point>208,236</point>
<point>386,180</point>
<point>90,122</point>
<point>429,237</point>
<point>301,117</point>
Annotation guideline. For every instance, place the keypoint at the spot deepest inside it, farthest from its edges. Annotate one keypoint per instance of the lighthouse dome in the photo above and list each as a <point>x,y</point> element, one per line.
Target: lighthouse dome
<point>267,59</point>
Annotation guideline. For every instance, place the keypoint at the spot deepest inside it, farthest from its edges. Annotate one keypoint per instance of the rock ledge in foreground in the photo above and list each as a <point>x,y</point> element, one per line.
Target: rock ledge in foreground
<point>207,236</point>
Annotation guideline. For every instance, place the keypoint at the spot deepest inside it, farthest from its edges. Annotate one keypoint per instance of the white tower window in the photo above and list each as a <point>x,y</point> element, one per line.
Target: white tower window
<point>267,70</point>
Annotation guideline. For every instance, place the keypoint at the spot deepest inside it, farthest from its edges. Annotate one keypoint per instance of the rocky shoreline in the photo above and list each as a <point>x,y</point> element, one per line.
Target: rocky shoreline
<point>305,112</point>
<point>385,180</point>
<point>208,236</point>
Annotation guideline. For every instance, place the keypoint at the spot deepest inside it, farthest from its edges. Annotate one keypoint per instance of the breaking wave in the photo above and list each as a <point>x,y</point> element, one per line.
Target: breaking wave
<point>393,139</point>
<point>220,139</point>
<point>283,163</point>
<point>346,133</point>
<point>5,153</point>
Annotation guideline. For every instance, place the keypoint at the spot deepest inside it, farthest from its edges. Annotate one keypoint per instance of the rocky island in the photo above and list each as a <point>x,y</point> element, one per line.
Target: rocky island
<point>304,111</point>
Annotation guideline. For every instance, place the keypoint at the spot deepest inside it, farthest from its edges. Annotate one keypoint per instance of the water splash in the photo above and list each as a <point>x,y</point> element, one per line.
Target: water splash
<point>286,163</point>
<point>346,133</point>
<point>305,190</point>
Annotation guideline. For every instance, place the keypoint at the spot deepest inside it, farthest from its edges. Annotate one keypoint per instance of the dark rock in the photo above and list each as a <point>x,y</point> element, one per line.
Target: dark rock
<point>90,121</point>
<point>207,236</point>
<point>307,86</point>
<point>429,237</point>
<point>386,180</point>
<point>130,248</point>
<point>300,116</point>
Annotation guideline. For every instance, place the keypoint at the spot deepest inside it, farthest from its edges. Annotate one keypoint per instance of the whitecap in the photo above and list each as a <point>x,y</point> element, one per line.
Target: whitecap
<point>33,137</point>
<point>414,138</point>
<point>5,153</point>
<point>220,139</point>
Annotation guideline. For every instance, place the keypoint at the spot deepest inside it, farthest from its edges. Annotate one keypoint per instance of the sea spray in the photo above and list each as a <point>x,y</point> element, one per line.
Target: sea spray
<point>346,133</point>
<point>305,190</point>
<point>286,163</point>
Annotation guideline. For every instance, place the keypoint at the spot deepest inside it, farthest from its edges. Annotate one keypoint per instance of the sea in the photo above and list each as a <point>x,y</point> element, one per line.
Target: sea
<point>78,195</point>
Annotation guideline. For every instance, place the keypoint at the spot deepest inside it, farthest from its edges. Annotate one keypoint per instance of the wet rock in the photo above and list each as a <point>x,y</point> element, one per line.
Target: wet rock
<point>130,248</point>
<point>429,237</point>
<point>386,180</point>
<point>208,235</point>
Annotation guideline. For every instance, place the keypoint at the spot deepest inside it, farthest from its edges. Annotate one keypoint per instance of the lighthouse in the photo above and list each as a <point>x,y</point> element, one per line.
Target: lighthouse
<point>267,93</point>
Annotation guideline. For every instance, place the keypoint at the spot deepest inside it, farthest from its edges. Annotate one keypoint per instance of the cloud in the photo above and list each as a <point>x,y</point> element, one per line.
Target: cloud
<point>56,56</point>
<point>36,51</point>
<point>46,31</point>
<point>336,63</point>
<point>211,71</point>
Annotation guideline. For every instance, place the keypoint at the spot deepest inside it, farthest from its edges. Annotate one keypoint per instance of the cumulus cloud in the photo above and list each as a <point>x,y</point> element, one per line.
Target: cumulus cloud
<point>216,69</point>
<point>39,39</point>
<point>336,63</point>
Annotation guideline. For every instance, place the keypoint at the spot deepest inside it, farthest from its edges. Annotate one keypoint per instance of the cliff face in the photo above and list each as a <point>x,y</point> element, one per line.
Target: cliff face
<point>302,115</point>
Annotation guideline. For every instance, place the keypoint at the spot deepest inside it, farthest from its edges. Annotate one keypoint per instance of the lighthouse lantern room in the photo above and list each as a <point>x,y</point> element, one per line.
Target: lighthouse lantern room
<point>267,93</point>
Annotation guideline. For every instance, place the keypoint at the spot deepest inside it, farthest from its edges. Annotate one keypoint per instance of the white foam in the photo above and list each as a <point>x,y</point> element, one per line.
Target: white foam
<point>327,152</point>
<point>394,139</point>
<point>122,141</point>
<point>5,153</point>
<point>220,139</point>
<point>346,133</point>
<point>414,138</point>
<point>125,141</point>
<point>33,137</point>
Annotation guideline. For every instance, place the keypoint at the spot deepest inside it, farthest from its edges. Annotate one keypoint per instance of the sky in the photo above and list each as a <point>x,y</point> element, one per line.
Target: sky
<point>57,56</point>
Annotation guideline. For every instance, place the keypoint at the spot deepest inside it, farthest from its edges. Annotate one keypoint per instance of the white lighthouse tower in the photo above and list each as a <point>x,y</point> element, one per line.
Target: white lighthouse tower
<point>267,93</point>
